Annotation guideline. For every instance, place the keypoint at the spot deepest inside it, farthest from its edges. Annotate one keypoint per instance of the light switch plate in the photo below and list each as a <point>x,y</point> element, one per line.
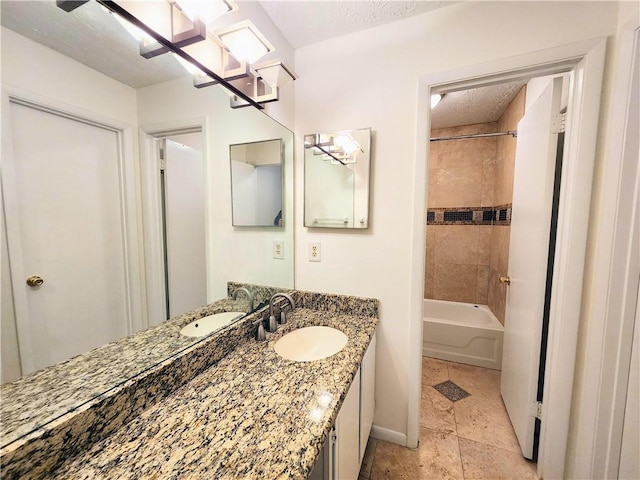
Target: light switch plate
<point>278,249</point>
<point>314,251</point>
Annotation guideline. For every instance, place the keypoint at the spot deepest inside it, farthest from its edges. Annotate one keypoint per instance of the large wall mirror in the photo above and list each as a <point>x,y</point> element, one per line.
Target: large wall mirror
<point>84,236</point>
<point>256,183</point>
<point>336,179</point>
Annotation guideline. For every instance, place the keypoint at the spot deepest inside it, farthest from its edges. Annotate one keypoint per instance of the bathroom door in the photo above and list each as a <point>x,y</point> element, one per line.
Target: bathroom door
<point>64,215</point>
<point>533,192</point>
<point>184,224</point>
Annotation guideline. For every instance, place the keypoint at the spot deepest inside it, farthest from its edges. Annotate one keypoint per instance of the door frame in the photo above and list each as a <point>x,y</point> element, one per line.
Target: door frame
<point>134,288</point>
<point>618,271</point>
<point>152,211</point>
<point>586,59</point>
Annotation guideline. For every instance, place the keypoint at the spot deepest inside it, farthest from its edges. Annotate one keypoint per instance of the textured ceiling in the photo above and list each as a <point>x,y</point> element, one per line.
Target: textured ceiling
<point>477,105</point>
<point>91,36</point>
<point>304,22</point>
<point>94,38</point>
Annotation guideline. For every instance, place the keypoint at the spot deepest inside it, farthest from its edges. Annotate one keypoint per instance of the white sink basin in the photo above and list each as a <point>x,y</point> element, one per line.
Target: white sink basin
<point>310,343</point>
<point>205,325</point>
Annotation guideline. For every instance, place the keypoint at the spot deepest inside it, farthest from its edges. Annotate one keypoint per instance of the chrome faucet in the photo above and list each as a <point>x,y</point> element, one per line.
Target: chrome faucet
<point>249,295</point>
<point>273,325</point>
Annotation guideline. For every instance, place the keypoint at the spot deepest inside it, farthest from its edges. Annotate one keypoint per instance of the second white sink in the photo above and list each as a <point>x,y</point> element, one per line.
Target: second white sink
<point>205,325</point>
<point>310,343</point>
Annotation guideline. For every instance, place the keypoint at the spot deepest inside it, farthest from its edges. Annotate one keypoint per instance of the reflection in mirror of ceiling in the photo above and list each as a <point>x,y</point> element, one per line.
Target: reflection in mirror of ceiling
<point>89,35</point>
<point>476,105</point>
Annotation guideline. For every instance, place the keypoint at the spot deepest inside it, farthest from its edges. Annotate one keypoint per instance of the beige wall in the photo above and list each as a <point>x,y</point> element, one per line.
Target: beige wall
<point>503,194</point>
<point>464,262</point>
<point>460,175</point>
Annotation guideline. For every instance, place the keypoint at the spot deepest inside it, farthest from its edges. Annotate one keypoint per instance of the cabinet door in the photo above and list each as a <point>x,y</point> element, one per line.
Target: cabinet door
<point>367,394</point>
<point>348,431</point>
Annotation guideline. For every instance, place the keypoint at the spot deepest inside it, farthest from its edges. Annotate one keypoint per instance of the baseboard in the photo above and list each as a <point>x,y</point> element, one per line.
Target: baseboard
<point>388,435</point>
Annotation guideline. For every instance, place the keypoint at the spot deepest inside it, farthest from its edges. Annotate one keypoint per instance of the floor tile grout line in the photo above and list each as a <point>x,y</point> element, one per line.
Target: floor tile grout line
<point>489,445</point>
<point>455,422</point>
<point>453,405</point>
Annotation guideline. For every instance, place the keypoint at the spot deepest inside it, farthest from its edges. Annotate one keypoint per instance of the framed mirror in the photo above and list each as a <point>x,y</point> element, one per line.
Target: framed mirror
<point>256,183</point>
<point>336,179</point>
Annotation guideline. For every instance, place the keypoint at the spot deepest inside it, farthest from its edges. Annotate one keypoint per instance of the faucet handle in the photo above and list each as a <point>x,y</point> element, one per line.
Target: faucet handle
<point>261,335</point>
<point>273,325</point>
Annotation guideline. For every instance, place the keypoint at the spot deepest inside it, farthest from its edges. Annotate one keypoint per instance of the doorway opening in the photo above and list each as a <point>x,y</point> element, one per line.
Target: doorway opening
<point>585,62</point>
<point>481,138</point>
<point>182,201</point>
<point>174,189</point>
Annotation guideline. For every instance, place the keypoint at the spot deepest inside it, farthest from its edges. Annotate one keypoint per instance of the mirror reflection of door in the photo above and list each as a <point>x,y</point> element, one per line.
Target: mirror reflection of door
<point>183,201</point>
<point>65,225</point>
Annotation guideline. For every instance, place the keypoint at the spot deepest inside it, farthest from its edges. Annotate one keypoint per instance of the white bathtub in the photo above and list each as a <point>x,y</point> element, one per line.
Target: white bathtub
<point>463,333</point>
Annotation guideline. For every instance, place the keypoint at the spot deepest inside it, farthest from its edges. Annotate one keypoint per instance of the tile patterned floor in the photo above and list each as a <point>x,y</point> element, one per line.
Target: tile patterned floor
<point>471,438</point>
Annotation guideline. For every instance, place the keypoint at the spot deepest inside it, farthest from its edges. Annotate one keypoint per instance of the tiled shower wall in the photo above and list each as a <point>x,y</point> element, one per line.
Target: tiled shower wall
<point>471,181</point>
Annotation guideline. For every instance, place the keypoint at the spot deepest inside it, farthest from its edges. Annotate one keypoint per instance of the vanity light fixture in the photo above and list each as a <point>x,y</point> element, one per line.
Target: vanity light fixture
<point>256,88</point>
<point>274,73</point>
<point>137,34</point>
<point>346,143</point>
<point>244,41</point>
<point>206,10</point>
<point>167,20</point>
<point>341,149</point>
<point>227,57</point>
<point>435,99</point>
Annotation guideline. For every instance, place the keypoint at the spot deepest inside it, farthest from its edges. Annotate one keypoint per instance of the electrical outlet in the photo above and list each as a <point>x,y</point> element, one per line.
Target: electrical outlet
<point>278,249</point>
<point>314,251</point>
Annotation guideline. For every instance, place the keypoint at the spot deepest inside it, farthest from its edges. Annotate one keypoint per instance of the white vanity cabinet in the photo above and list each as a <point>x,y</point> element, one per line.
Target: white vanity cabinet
<point>342,455</point>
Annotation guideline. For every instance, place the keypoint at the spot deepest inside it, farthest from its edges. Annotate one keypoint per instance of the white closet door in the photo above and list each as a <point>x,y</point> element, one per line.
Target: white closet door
<point>185,230</point>
<point>64,224</point>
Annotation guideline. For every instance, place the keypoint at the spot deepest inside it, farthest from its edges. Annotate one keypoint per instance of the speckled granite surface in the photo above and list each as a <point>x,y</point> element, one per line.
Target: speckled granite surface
<point>254,415</point>
<point>43,396</point>
<point>62,445</point>
<point>36,399</point>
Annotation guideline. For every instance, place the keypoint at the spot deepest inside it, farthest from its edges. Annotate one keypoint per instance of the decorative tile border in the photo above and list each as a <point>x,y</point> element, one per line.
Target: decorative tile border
<point>498,215</point>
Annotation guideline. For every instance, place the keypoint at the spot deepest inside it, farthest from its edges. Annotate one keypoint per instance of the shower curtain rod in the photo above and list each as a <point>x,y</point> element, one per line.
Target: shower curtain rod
<point>513,133</point>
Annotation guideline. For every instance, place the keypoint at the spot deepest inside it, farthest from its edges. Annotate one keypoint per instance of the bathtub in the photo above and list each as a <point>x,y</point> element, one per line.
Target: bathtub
<point>463,333</point>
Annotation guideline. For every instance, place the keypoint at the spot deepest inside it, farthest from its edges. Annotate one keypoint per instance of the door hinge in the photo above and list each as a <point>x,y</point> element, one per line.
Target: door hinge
<point>163,161</point>
<point>539,410</point>
<point>557,123</point>
<point>563,122</point>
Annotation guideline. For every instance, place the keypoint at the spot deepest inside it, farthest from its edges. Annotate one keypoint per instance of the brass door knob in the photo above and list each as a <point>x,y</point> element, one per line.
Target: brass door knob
<point>506,280</point>
<point>35,281</point>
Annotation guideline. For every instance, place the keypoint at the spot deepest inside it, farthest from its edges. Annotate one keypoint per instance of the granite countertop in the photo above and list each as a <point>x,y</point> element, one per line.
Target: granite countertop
<point>253,415</point>
<point>38,398</point>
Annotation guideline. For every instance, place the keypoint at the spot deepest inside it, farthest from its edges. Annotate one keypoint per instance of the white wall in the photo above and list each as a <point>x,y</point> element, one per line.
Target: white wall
<point>33,68</point>
<point>377,86</point>
<point>240,254</point>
